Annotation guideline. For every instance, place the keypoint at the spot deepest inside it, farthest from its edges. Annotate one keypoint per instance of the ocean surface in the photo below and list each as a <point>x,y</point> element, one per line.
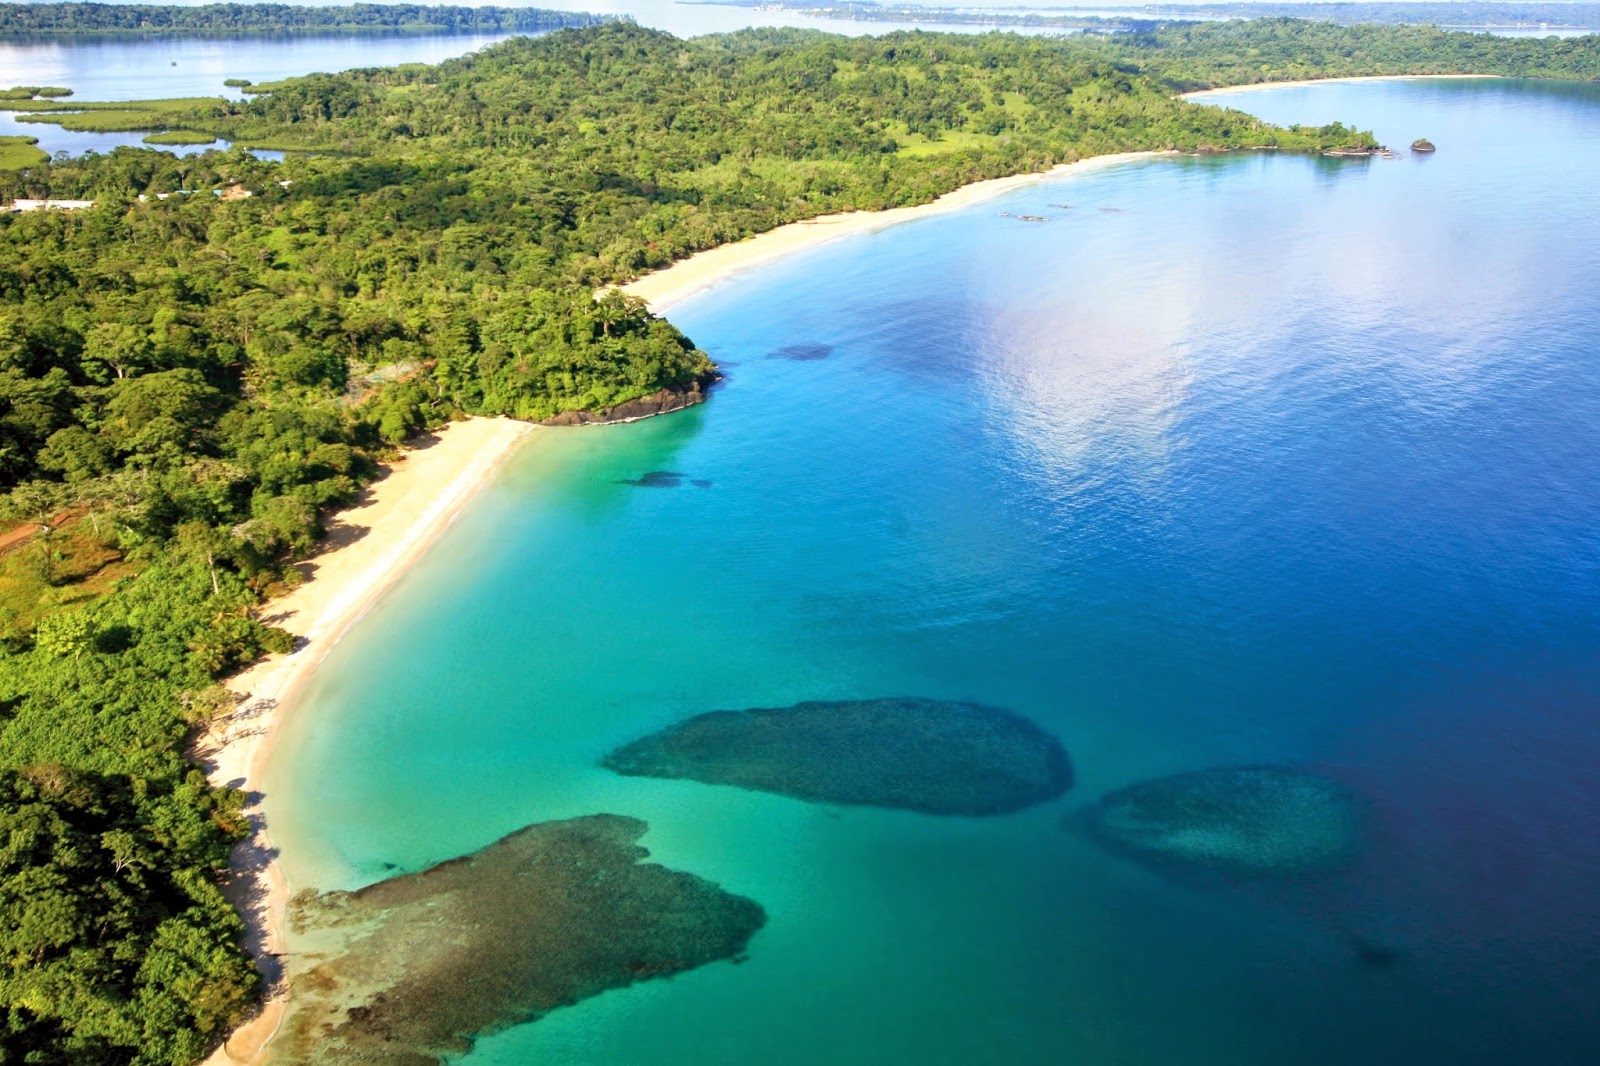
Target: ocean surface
<point>1255,459</point>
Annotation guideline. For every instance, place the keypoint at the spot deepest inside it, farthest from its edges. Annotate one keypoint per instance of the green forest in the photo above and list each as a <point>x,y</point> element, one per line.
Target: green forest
<point>169,19</point>
<point>189,382</point>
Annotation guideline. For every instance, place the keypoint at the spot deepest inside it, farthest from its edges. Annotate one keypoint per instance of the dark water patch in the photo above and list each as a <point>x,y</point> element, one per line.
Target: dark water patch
<point>933,756</point>
<point>655,479</point>
<point>1374,954</point>
<point>808,352</point>
<point>1112,211</point>
<point>701,483</point>
<point>1246,821</point>
<point>412,970</point>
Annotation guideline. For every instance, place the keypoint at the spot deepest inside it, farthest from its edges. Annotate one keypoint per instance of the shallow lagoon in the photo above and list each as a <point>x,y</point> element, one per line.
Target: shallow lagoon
<point>1235,461</point>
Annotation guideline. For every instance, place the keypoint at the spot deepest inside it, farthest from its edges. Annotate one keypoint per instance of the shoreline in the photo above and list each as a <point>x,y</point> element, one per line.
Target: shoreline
<point>671,285</point>
<point>369,546</point>
<point>1229,90</point>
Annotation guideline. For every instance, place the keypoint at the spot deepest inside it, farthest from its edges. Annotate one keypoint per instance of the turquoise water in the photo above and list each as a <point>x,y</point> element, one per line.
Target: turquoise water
<point>1253,459</point>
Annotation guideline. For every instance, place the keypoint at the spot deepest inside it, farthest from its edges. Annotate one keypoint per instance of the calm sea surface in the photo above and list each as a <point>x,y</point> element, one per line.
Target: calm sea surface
<point>1234,460</point>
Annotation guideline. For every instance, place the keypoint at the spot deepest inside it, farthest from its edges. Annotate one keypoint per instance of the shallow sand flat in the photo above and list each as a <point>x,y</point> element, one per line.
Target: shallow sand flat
<point>368,547</point>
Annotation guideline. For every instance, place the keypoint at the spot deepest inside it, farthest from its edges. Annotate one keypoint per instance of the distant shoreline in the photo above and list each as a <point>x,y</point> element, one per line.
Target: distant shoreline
<point>1256,86</point>
<point>373,544</point>
<point>687,278</point>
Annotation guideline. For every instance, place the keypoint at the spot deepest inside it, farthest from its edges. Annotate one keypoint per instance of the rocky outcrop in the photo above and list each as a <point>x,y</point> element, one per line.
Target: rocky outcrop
<point>1359,150</point>
<point>664,401</point>
<point>1422,144</point>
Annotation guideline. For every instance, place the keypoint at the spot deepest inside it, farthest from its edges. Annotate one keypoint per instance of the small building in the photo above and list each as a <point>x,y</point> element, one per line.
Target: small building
<point>52,205</point>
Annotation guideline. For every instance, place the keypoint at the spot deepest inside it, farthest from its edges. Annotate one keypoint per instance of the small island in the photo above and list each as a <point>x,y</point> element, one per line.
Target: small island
<point>1422,144</point>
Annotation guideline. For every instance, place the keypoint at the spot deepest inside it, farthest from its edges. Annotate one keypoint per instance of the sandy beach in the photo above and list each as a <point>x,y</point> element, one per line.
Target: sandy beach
<point>368,547</point>
<point>702,271</point>
<point>1233,89</point>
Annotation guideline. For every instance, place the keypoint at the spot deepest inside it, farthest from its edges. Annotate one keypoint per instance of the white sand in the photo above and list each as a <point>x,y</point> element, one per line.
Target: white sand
<point>1202,94</point>
<point>703,271</point>
<point>369,546</point>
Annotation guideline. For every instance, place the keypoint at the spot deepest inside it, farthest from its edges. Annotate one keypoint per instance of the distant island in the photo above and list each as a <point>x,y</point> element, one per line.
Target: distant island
<point>18,20</point>
<point>1468,15</point>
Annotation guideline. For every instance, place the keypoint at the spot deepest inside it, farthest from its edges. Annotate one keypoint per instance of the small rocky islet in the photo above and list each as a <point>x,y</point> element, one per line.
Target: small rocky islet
<point>1249,821</point>
<point>411,970</point>
<point>932,756</point>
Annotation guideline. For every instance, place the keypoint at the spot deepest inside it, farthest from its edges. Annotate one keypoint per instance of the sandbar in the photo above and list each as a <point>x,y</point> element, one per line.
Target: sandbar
<point>368,547</point>
<point>671,285</point>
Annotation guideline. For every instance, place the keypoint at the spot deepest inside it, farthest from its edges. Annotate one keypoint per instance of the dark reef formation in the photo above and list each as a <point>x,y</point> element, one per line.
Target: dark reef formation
<point>411,970</point>
<point>808,352</point>
<point>1247,821</point>
<point>655,479</point>
<point>934,756</point>
<point>662,402</point>
<point>664,479</point>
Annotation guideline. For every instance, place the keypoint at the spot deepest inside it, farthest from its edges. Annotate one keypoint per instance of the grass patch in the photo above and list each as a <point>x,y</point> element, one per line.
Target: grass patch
<point>28,92</point>
<point>180,137</point>
<point>916,145</point>
<point>19,153</point>
<point>83,567</point>
<point>98,121</point>
<point>166,105</point>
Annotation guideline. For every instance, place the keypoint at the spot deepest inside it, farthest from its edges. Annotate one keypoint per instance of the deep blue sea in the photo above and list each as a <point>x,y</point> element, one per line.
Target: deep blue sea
<point>1254,459</point>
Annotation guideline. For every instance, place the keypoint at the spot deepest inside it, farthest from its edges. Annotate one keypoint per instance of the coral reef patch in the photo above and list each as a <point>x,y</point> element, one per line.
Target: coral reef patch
<point>933,756</point>
<point>655,479</point>
<point>1247,821</point>
<point>411,970</point>
<point>807,352</point>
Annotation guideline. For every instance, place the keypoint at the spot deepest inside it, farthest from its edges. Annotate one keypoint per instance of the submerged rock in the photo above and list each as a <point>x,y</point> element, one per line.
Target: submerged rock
<point>655,479</point>
<point>807,352</point>
<point>934,756</point>
<point>411,970</point>
<point>1253,820</point>
<point>1422,144</point>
